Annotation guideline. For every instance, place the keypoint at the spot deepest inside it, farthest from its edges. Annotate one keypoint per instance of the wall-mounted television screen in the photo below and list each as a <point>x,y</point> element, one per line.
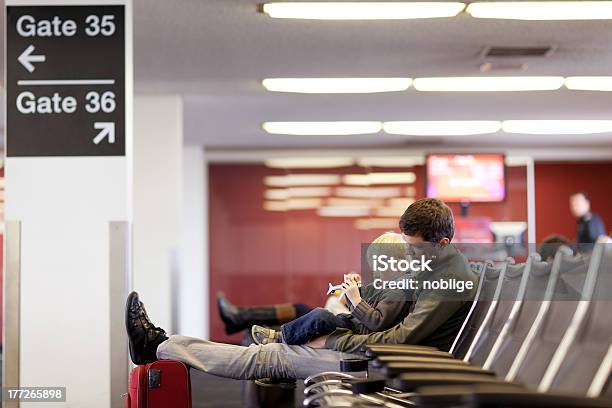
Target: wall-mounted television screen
<point>473,178</point>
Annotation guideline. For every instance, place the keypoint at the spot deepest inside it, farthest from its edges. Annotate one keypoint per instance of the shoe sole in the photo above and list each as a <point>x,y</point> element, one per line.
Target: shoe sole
<point>255,338</point>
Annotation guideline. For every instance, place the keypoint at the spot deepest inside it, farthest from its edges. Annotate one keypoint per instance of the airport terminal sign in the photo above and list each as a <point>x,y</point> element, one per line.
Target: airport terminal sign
<point>65,81</point>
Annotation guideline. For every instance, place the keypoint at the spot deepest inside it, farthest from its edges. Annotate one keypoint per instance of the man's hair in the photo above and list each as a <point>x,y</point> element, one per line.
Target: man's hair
<point>582,193</point>
<point>552,243</point>
<point>430,219</point>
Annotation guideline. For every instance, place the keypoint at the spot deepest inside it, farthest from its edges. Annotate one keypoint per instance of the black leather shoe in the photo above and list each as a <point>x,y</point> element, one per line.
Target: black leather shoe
<point>239,318</point>
<point>143,335</point>
<point>230,315</point>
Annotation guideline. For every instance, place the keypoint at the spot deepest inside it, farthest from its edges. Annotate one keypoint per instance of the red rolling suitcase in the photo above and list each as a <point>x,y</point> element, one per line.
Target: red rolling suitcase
<point>161,384</point>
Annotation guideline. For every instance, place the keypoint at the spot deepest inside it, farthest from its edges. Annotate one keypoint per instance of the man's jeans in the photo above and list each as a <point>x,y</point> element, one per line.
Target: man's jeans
<point>315,323</point>
<point>274,360</point>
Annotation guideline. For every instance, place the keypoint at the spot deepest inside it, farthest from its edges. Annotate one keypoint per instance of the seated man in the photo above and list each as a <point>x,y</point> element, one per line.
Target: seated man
<point>550,245</point>
<point>371,309</point>
<point>435,319</point>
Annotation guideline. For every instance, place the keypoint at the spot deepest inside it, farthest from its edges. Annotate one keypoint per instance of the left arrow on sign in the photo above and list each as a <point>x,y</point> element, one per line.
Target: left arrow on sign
<point>106,129</point>
<point>26,58</point>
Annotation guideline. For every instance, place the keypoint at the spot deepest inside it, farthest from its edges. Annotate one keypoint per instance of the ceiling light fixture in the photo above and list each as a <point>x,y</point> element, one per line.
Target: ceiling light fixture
<point>302,180</point>
<point>362,10</point>
<point>391,161</point>
<point>343,212</point>
<point>323,128</point>
<point>336,85</point>
<point>276,194</point>
<point>292,192</point>
<point>379,178</point>
<point>293,204</point>
<point>488,84</point>
<point>542,10</point>
<point>309,191</point>
<point>402,202</point>
<point>309,162</point>
<point>354,202</point>
<point>376,223</point>
<point>389,211</point>
<point>304,203</point>
<point>557,127</point>
<point>589,83</point>
<point>442,128</point>
<point>368,192</point>
<point>275,206</point>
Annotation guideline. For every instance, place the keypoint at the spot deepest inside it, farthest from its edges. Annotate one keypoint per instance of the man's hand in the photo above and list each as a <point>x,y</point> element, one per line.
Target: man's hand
<point>317,343</point>
<point>351,290</point>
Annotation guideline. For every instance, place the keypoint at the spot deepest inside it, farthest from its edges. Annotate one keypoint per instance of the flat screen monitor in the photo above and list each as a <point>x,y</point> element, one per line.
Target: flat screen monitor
<point>470,178</point>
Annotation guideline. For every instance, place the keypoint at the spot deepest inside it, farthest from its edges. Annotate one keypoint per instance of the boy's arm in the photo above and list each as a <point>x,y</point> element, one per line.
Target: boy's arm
<point>383,315</point>
<point>427,316</point>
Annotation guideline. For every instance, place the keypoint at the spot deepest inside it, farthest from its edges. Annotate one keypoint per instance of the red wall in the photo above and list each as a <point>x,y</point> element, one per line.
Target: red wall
<point>261,257</point>
<point>555,182</point>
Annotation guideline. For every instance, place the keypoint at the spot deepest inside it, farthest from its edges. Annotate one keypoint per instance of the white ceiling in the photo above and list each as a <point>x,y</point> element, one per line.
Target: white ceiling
<point>215,52</point>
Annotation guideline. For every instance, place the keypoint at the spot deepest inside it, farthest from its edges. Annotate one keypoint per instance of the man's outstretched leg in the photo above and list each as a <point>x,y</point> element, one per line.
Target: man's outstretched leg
<point>147,343</point>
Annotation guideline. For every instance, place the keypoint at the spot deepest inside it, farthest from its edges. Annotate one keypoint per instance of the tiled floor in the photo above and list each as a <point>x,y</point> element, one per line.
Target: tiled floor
<point>209,391</point>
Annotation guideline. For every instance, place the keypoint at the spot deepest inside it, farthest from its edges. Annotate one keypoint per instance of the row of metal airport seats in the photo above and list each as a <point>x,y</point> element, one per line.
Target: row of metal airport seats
<point>539,334</point>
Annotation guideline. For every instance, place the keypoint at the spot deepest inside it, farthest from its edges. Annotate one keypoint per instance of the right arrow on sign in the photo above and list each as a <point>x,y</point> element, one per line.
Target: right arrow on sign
<point>106,129</point>
<point>26,58</point>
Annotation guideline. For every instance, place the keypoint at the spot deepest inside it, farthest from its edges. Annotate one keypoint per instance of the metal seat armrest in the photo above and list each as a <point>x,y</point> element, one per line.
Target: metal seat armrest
<point>410,382</point>
<point>395,369</point>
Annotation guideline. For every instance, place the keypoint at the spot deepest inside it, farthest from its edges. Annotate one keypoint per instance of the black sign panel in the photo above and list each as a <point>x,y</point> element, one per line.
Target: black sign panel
<point>65,81</point>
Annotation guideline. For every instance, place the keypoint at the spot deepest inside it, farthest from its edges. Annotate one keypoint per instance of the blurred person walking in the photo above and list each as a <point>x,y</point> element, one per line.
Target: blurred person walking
<point>589,225</point>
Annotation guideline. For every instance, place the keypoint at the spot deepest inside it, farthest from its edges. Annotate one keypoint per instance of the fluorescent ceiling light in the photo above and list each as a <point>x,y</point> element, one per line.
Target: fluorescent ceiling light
<point>401,202</point>
<point>376,223</point>
<point>390,211</point>
<point>276,194</point>
<point>442,128</point>
<point>293,204</point>
<point>292,192</point>
<point>309,162</point>
<point>343,212</point>
<point>379,178</point>
<point>309,191</point>
<point>557,127</point>
<point>302,180</point>
<point>488,84</point>
<point>543,10</point>
<point>354,202</point>
<point>323,128</point>
<point>368,192</point>
<point>275,206</point>
<point>304,203</point>
<point>336,85</point>
<point>391,161</point>
<point>593,83</point>
<point>362,10</point>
